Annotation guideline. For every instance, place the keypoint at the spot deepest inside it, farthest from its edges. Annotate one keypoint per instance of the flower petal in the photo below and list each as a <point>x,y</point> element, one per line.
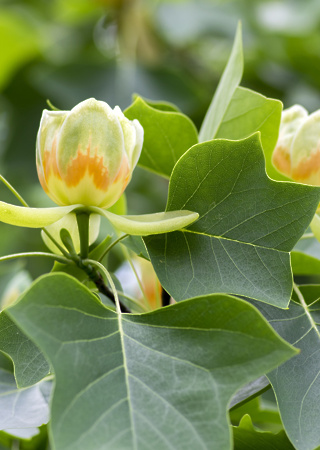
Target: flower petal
<point>147,224</point>
<point>22,216</point>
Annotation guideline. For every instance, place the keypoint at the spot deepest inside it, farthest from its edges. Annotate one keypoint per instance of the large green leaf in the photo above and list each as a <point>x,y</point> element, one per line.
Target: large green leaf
<point>229,81</point>
<point>30,365</point>
<point>167,136</point>
<point>166,377</point>
<point>297,383</point>
<point>248,223</point>
<point>249,112</point>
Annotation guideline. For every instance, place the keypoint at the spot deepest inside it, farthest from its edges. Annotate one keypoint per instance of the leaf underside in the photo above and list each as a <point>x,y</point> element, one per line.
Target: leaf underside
<point>297,382</point>
<point>165,377</point>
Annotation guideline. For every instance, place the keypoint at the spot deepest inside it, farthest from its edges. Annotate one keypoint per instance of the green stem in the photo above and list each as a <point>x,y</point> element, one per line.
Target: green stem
<point>59,258</point>
<point>14,192</point>
<point>56,243</point>
<point>107,250</point>
<point>105,272</point>
<point>83,226</point>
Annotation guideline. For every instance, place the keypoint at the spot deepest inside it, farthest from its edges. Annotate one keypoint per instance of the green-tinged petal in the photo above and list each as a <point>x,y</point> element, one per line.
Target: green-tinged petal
<point>305,152</point>
<point>22,216</point>
<point>69,222</point>
<point>292,118</point>
<point>147,224</point>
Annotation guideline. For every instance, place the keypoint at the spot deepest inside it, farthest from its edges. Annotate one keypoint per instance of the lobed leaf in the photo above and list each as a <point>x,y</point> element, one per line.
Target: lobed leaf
<point>247,225</point>
<point>164,377</point>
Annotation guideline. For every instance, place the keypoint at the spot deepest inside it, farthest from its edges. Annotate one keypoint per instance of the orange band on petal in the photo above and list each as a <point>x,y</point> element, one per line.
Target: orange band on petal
<point>49,163</point>
<point>84,162</point>
<point>307,167</point>
<point>281,160</point>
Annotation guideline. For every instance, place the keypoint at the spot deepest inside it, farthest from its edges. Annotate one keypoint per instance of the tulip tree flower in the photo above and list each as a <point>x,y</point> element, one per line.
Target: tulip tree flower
<point>85,158</point>
<point>297,153</point>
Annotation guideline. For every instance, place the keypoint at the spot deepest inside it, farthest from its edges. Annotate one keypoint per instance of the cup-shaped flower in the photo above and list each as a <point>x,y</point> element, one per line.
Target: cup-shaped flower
<point>87,155</point>
<point>297,153</point>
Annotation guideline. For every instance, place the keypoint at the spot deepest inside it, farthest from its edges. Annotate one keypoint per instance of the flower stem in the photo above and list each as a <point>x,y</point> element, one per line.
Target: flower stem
<point>107,250</point>
<point>83,226</point>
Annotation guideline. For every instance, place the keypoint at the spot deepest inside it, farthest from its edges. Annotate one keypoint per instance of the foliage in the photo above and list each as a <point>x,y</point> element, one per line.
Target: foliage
<point>89,361</point>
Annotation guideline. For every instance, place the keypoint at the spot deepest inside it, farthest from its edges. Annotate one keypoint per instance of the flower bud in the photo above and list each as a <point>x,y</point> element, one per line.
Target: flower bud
<point>297,153</point>
<point>87,155</point>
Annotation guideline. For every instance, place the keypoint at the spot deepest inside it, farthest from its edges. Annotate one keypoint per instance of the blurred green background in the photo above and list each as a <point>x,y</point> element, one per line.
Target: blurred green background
<point>69,50</point>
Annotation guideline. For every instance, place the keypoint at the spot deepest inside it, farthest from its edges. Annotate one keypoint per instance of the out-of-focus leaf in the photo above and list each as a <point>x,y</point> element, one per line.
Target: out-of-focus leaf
<point>20,42</point>
<point>247,437</point>
<point>229,81</point>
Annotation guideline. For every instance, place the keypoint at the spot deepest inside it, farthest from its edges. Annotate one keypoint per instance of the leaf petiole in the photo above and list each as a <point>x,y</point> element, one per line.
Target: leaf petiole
<point>59,258</point>
<point>106,273</point>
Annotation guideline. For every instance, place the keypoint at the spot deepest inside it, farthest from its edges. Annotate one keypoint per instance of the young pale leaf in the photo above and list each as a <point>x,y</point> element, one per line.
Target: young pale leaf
<point>297,383</point>
<point>167,136</point>
<point>228,83</point>
<point>164,377</point>
<point>249,112</point>
<point>248,224</point>
<point>30,365</point>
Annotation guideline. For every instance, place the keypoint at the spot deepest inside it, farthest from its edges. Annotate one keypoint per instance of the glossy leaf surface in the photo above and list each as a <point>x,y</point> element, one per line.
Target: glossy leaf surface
<point>247,225</point>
